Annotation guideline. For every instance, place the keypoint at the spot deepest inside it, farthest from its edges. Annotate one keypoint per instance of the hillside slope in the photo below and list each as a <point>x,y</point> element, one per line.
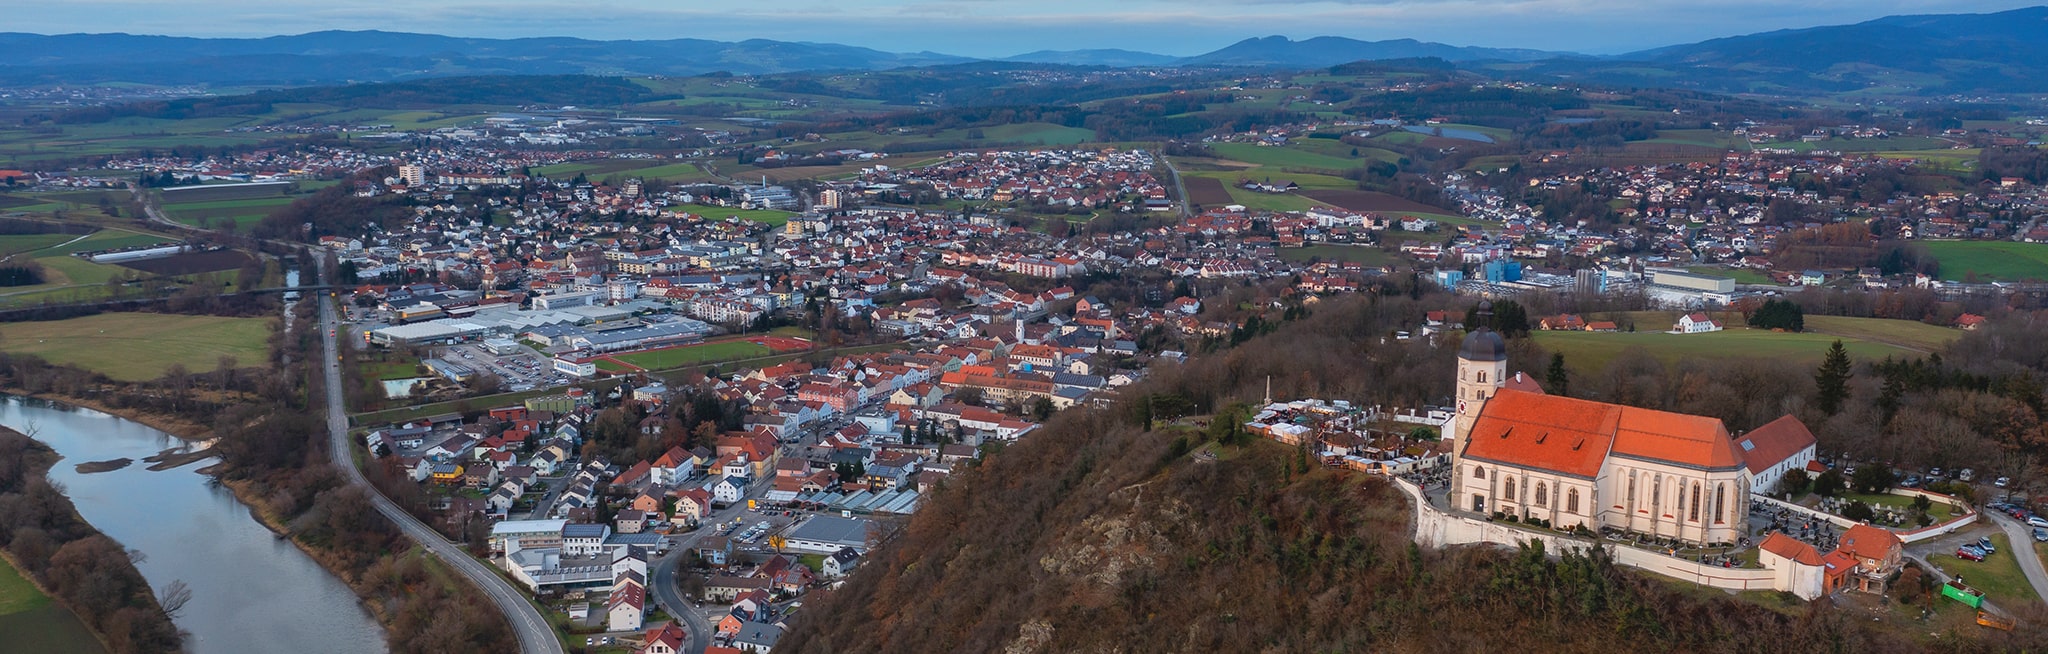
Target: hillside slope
<point>1093,536</point>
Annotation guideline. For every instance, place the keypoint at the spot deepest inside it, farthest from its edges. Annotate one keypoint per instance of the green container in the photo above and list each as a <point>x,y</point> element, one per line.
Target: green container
<point>1965,594</point>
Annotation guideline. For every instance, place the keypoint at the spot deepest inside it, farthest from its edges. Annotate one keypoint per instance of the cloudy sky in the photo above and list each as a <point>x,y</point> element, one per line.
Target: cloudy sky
<point>994,27</point>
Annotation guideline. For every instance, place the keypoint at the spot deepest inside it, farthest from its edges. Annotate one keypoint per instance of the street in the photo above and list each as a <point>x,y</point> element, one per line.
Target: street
<point>535,634</point>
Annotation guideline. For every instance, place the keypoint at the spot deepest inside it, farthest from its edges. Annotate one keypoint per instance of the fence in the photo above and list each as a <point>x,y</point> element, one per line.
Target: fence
<point>1436,528</point>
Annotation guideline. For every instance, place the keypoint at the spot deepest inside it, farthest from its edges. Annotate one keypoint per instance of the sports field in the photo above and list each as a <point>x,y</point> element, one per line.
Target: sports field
<point>1990,260</point>
<point>139,346</point>
<point>770,217</point>
<point>1588,351</point>
<point>677,357</point>
<point>31,622</point>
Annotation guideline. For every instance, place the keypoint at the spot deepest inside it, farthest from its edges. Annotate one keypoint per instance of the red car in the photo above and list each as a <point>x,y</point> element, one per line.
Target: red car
<point>1968,554</point>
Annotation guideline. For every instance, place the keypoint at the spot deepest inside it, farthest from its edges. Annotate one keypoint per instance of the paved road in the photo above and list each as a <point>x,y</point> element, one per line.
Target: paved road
<point>535,635</point>
<point>1180,190</point>
<point>2020,539</point>
<point>665,576</point>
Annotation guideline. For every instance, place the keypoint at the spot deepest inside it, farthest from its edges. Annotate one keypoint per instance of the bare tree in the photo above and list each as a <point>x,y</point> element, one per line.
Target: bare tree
<point>174,597</point>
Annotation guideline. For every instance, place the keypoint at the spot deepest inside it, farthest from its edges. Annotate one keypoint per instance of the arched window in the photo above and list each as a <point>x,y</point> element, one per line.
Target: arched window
<point>1510,494</point>
<point>1720,503</point>
<point>1571,500</point>
<point>1478,472</point>
<point>1482,377</point>
<point>1657,494</point>
<point>1542,494</point>
<point>1695,512</point>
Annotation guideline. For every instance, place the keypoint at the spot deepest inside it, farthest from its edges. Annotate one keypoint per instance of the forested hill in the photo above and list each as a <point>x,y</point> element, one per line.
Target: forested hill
<point>1096,535</point>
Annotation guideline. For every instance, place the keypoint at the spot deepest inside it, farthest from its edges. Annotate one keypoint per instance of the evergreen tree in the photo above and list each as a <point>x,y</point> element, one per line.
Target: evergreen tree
<point>1559,379</point>
<point>1832,380</point>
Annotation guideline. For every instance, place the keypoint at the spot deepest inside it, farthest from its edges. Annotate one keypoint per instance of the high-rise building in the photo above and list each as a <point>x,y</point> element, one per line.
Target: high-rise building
<point>830,199</point>
<point>413,175</point>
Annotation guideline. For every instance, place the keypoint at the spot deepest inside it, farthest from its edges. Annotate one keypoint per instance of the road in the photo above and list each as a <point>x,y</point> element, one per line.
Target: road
<point>664,575</point>
<point>2020,539</point>
<point>535,635</point>
<point>1180,191</point>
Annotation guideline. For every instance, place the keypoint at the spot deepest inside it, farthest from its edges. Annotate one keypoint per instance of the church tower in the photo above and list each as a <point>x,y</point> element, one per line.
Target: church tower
<point>1482,369</point>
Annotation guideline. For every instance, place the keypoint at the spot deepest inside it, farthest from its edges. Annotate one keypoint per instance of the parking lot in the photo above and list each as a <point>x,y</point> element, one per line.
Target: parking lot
<point>523,370</point>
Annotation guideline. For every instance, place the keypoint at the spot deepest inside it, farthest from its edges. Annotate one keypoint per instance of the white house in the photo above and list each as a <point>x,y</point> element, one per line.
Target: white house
<point>1796,567</point>
<point>728,490</point>
<point>627,607</point>
<point>1695,323</point>
<point>1774,449</point>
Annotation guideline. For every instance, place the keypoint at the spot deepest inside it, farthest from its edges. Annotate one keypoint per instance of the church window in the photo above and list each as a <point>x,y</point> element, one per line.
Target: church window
<point>1657,493</point>
<point>1542,494</point>
<point>1632,499</point>
<point>1720,503</point>
<point>1571,500</point>
<point>1510,488</point>
<point>1478,472</point>
<point>1482,377</point>
<point>1695,512</point>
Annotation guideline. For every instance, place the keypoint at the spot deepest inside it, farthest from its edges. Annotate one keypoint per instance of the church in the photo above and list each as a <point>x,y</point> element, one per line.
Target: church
<point>1519,452</point>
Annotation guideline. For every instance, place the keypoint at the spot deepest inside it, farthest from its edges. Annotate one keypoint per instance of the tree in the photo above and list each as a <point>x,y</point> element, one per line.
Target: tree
<point>1041,408</point>
<point>1794,482</point>
<point>1558,378</point>
<point>1872,479</point>
<point>1832,380</point>
<point>1829,484</point>
<point>173,597</point>
<point>1858,511</point>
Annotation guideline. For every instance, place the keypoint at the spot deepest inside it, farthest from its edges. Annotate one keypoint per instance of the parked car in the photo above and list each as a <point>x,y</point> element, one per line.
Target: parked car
<point>1966,474</point>
<point>1911,481</point>
<point>2040,535</point>
<point>2002,481</point>
<point>2036,521</point>
<point>1984,543</point>
<point>1934,473</point>
<point>1968,554</point>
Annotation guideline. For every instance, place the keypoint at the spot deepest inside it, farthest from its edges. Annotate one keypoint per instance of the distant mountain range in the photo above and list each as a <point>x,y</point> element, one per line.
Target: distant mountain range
<point>1998,52</point>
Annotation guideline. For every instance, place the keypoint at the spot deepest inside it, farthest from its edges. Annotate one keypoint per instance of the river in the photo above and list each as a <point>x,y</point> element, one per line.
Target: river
<point>251,592</point>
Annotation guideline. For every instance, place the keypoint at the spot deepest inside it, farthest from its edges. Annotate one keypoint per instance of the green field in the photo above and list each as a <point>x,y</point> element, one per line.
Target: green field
<point>1998,575</point>
<point>772,217</point>
<point>1990,260</point>
<point>1589,351</point>
<point>31,622</point>
<point>18,243</point>
<point>1285,157</point>
<point>695,354</point>
<point>244,213</point>
<point>139,346</point>
<point>1366,255</point>
<point>1901,333</point>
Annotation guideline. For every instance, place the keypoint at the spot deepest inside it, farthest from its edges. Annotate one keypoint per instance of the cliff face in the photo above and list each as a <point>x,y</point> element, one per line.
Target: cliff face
<point>1093,536</point>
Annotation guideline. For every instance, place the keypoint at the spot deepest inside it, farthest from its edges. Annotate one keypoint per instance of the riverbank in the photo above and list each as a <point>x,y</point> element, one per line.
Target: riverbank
<point>71,562</point>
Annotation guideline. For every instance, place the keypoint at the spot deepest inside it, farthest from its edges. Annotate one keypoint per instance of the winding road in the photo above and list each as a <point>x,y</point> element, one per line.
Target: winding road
<point>535,634</point>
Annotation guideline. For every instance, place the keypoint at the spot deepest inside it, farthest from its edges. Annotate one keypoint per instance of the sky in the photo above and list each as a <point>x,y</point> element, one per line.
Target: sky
<point>994,28</point>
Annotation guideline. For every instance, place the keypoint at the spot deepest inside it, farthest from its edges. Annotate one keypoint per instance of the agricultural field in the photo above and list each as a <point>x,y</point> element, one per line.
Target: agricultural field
<point>1590,351</point>
<point>1372,201</point>
<point>32,622</point>
<point>677,357</point>
<point>244,213</point>
<point>1281,157</point>
<point>1908,334</point>
<point>1362,254</point>
<point>139,346</point>
<point>1990,260</point>
<point>112,239</point>
<point>1206,191</point>
<point>191,263</point>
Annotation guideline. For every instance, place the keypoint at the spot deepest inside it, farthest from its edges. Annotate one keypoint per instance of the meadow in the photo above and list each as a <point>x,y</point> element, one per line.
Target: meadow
<point>1990,260</point>
<point>1591,351</point>
<point>1362,254</point>
<point>772,217</point>
<point>140,346</point>
<point>31,622</point>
